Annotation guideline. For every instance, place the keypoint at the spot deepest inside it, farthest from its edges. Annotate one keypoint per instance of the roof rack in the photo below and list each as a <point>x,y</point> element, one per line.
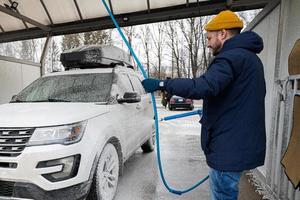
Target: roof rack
<point>95,56</point>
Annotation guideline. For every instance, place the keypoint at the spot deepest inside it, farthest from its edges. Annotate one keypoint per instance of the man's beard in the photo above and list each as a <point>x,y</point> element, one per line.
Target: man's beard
<point>217,49</point>
<point>214,52</point>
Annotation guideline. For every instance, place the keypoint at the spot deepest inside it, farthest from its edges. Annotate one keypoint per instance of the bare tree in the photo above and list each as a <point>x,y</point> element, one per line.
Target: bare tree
<point>204,62</point>
<point>53,57</point>
<point>157,35</point>
<point>247,16</point>
<point>97,37</point>
<point>193,32</point>
<point>71,41</point>
<point>130,33</point>
<point>190,29</point>
<point>8,49</point>
<point>184,62</point>
<point>174,44</point>
<point>29,50</point>
<point>145,37</point>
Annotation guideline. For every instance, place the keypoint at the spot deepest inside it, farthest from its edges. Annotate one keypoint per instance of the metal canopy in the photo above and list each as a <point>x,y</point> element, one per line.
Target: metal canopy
<point>42,18</point>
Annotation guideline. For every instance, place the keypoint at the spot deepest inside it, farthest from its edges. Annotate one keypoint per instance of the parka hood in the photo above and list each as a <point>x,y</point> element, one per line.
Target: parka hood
<point>247,40</point>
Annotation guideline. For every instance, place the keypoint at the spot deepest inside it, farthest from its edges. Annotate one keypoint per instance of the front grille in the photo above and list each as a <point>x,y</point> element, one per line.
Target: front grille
<point>6,188</point>
<point>13,141</point>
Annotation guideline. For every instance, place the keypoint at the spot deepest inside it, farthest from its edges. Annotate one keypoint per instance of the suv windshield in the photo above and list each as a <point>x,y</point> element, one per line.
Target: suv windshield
<point>68,88</point>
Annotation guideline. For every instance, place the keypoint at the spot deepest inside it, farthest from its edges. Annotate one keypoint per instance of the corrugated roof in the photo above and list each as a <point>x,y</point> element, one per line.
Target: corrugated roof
<point>40,18</point>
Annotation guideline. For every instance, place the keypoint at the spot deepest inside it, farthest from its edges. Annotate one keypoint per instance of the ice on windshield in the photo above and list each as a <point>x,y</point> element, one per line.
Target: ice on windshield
<point>70,88</point>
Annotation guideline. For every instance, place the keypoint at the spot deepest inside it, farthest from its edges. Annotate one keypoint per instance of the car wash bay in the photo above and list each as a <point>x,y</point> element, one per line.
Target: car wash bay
<point>278,25</point>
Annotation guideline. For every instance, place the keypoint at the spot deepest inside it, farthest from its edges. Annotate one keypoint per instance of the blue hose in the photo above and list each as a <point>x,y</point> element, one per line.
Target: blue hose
<point>139,64</point>
<point>197,112</point>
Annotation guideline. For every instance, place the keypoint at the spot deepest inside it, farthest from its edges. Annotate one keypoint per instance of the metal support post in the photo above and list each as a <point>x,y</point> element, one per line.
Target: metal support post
<point>44,55</point>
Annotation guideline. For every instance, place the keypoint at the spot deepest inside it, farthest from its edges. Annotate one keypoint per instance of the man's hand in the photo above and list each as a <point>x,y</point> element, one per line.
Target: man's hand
<point>152,85</point>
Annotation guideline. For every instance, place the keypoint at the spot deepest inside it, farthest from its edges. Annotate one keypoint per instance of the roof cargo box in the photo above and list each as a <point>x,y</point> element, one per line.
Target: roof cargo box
<point>94,56</point>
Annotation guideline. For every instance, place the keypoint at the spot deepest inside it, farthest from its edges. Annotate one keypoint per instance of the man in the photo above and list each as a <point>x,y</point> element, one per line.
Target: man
<point>233,90</point>
<point>165,97</point>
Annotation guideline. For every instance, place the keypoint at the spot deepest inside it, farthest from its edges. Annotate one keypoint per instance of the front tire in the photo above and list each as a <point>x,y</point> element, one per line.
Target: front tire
<point>149,145</point>
<point>106,177</point>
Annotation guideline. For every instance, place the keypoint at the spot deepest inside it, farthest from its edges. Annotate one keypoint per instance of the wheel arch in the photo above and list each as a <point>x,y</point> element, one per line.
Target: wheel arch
<point>116,142</point>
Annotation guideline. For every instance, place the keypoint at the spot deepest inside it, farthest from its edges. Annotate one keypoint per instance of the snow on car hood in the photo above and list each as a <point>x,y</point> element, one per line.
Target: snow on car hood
<point>47,114</point>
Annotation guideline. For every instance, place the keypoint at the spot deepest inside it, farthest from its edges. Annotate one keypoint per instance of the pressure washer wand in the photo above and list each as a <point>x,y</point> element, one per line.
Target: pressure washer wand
<point>187,114</point>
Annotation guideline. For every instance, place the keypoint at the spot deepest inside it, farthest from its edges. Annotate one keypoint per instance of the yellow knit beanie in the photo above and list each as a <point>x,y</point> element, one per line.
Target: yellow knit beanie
<point>224,20</point>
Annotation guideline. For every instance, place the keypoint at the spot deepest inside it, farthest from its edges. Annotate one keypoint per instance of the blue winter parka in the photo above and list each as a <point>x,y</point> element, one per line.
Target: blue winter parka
<point>233,135</point>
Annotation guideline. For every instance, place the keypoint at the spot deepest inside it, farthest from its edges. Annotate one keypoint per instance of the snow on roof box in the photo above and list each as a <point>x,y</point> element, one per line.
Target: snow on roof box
<point>94,56</point>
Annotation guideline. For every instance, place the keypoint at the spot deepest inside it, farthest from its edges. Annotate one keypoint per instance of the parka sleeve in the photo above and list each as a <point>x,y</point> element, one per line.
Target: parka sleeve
<point>211,83</point>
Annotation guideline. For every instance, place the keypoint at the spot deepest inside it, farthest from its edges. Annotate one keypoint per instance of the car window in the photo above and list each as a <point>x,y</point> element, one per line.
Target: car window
<point>124,83</point>
<point>72,88</point>
<point>137,85</point>
<point>176,97</point>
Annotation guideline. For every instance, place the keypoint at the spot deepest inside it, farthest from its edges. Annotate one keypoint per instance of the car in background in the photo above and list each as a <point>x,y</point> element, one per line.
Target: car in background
<point>180,102</point>
<point>68,134</point>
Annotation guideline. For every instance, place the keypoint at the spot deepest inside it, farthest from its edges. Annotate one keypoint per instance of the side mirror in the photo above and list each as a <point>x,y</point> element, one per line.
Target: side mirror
<point>130,97</point>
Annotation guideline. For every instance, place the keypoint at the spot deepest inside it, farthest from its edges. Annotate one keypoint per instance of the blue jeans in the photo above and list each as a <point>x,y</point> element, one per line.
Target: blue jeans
<point>224,185</point>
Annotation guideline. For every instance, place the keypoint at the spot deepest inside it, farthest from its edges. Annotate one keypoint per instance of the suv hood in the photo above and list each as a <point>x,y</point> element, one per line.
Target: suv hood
<point>47,114</point>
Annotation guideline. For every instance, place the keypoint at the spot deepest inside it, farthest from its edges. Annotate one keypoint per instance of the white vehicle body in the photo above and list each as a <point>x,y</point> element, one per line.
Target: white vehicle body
<point>126,125</point>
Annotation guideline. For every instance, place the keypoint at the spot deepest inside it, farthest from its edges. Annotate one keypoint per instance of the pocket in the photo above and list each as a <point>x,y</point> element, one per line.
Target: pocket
<point>230,182</point>
<point>205,122</point>
<point>205,135</point>
<point>204,140</point>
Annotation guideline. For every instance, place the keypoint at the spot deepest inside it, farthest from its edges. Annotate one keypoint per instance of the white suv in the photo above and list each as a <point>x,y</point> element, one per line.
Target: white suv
<point>67,135</point>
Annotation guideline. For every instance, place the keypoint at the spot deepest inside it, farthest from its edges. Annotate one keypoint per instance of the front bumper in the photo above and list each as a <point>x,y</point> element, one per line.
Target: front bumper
<point>28,180</point>
<point>30,191</point>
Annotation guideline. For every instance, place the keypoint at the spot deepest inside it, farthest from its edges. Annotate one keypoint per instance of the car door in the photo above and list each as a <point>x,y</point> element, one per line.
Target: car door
<point>128,115</point>
<point>144,110</point>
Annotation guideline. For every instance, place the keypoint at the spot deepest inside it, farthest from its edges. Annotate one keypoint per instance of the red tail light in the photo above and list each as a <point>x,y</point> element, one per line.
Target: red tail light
<point>189,101</point>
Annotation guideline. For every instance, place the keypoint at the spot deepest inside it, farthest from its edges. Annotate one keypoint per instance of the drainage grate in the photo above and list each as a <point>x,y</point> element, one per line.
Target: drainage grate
<point>6,188</point>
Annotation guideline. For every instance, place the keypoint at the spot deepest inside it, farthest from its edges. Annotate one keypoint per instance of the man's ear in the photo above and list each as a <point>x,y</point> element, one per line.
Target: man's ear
<point>224,34</point>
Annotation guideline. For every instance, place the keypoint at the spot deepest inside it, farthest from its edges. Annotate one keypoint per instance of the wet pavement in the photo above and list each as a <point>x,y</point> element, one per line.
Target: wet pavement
<point>183,162</point>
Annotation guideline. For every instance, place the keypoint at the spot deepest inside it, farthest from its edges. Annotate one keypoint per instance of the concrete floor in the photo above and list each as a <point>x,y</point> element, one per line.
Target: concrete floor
<point>183,162</point>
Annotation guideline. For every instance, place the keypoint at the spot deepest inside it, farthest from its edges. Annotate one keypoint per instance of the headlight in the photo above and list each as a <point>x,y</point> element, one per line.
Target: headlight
<point>67,134</point>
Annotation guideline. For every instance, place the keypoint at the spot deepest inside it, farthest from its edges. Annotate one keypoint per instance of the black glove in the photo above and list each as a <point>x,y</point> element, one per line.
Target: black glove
<point>152,85</point>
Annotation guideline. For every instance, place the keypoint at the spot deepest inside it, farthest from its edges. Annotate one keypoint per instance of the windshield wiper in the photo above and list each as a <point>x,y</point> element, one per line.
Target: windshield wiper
<point>44,100</point>
<point>57,100</point>
<point>16,101</point>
